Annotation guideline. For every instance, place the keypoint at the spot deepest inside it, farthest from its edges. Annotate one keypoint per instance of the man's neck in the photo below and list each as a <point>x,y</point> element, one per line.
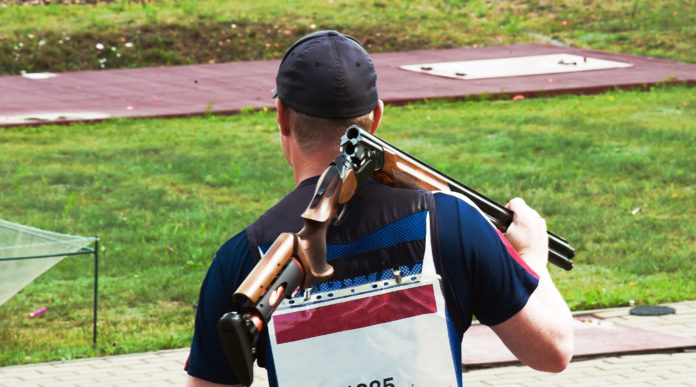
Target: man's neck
<point>310,167</point>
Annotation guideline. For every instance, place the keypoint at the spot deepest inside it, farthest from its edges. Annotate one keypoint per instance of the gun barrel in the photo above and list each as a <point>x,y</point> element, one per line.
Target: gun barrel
<point>401,169</point>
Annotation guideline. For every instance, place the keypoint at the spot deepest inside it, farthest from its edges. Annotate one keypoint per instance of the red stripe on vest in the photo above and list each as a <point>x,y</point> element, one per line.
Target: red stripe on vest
<point>515,255</point>
<point>354,314</point>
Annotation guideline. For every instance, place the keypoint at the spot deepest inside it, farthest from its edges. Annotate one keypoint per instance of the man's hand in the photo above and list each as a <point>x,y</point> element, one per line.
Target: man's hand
<point>527,234</point>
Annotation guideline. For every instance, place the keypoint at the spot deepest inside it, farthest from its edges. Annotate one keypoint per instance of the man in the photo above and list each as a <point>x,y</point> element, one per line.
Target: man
<point>409,247</point>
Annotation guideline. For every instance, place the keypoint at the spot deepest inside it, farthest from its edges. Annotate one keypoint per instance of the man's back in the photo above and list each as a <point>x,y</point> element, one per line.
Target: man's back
<point>387,233</point>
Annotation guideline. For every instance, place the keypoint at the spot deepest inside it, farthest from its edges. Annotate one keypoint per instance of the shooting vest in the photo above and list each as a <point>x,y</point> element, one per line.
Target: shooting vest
<point>381,320</point>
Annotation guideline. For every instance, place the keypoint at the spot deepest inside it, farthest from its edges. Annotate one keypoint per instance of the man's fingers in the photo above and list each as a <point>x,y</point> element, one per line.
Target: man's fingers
<point>524,213</point>
<point>515,203</point>
<point>521,209</point>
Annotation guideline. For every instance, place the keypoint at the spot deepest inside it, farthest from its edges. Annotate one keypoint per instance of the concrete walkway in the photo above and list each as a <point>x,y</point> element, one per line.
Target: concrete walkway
<point>165,368</point>
<point>226,88</point>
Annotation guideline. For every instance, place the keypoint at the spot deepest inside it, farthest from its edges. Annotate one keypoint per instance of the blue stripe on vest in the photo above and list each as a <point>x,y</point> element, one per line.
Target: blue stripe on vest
<point>406,229</point>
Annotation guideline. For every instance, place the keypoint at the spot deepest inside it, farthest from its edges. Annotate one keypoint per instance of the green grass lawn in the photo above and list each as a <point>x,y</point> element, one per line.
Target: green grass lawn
<point>164,194</point>
<point>613,173</point>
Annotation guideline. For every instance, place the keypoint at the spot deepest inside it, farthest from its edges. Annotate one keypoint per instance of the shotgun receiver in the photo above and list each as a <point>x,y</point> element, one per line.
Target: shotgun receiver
<point>297,261</point>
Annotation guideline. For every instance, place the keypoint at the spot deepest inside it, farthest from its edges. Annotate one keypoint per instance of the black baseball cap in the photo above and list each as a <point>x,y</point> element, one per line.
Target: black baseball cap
<point>327,74</point>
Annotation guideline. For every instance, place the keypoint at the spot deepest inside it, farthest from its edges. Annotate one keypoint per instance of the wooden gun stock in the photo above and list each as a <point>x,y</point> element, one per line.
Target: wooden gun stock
<point>293,262</point>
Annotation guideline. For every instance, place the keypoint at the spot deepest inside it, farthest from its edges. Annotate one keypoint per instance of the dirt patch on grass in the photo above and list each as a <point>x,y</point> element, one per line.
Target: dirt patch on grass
<point>203,41</point>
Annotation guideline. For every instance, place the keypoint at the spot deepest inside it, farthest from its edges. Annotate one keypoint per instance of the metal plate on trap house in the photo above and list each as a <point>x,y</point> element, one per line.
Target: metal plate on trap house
<point>515,67</point>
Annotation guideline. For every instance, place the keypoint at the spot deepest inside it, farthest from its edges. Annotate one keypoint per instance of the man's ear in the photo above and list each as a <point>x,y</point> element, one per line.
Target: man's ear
<point>282,117</point>
<point>377,116</point>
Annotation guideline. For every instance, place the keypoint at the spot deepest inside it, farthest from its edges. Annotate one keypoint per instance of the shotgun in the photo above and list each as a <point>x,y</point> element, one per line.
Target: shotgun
<point>399,169</point>
<point>297,261</point>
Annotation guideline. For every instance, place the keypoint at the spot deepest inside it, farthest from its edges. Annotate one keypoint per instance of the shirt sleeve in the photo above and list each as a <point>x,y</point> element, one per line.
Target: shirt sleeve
<point>484,274</point>
<point>232,263</point>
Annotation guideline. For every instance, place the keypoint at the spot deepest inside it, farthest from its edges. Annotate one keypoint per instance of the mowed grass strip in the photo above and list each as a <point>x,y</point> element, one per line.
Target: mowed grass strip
<point>125,34</point>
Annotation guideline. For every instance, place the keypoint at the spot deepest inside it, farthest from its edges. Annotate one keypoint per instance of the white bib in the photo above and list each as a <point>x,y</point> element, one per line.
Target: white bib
<point>381,334</point>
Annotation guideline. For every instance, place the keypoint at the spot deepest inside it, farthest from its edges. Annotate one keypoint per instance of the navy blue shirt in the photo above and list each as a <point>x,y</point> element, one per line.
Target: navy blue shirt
<point>483,275</point>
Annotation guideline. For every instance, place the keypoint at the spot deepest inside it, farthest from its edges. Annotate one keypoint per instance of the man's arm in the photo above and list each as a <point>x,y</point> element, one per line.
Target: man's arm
<point>207,363</point>
<point>541,333</point>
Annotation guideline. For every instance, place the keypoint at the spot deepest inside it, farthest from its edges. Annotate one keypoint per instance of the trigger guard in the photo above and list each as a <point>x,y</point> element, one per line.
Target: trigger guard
<point>341,214</point>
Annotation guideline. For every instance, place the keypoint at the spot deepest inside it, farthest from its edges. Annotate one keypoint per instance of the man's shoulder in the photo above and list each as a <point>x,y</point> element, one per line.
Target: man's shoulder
<point>235,246</point>
<point>455,197</point>
<point>374,194</point>
<point>453,206</point>
<point>284,216</point>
